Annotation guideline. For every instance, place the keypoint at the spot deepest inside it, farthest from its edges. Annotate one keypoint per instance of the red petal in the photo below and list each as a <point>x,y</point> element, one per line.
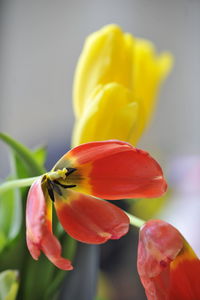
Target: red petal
<point>114,170</point>
<point>39,228</point>
<point>90,220</point>
<point>185,276</point>
<point>159,243</point>
<point>167,267</point>
<point>35,218</point>
<point>52,249</point>
<point>89,152</point>
<point>128,174</point>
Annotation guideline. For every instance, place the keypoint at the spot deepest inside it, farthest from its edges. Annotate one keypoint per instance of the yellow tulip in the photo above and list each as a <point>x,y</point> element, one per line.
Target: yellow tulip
<point>115,86</point>
<point>111,113</point>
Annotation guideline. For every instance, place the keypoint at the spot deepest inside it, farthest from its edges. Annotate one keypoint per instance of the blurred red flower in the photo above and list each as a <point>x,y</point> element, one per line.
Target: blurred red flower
<point>168,267</point>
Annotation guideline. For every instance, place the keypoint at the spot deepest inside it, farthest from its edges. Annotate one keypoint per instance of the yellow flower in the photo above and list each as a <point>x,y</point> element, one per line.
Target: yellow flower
<point>115,86</point>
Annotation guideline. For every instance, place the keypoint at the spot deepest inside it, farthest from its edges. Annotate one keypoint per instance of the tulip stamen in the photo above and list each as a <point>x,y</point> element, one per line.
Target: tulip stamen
<point>54,186</point>
<point>70,171</point>
<point>65,186</point>
<point>50,189</point>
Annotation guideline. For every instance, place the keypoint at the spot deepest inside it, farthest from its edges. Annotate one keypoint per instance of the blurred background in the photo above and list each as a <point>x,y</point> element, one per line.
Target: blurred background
<point>40,42</point>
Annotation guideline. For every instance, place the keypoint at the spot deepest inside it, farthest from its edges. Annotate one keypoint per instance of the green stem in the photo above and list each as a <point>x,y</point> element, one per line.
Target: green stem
<point>17,183</point>
<point>27,181</point>
<point>135,221</point>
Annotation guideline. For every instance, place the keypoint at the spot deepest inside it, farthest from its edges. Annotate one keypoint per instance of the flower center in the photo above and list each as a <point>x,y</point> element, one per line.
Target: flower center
<point>53,183</point>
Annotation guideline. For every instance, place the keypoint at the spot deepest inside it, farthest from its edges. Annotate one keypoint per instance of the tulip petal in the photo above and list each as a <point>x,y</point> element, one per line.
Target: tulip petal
<point>35,218</point>
<point>88,219</point>
<point>149,71</point>
<point>113,170</point>
<point>158,246</point>
<point>111,56</point>
<point>87,153</point>
<point>185,275</point>
<point>52,249</point>
<point>122,119</point>
<point>168,267</point>
<point>39,227</point>
<point>130,174</point>
<point>106,57</point>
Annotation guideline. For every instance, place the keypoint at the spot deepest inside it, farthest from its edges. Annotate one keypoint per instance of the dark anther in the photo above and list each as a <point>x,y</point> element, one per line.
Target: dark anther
<point>65,186</point>
<point>50,189</point>
<point>56,188</point>
<point>70,171</point>
<point>69,186</point>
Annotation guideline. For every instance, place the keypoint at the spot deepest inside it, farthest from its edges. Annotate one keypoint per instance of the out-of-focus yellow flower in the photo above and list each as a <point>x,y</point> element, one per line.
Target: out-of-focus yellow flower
<point>111,113</point>
<point>115,86</point>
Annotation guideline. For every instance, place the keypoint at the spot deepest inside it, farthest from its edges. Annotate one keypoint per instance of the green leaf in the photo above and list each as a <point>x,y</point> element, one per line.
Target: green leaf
<point>11,201</point>
<point>40,155</point>
<point>3,240</point>
<point>24,154</point>
<point>10,216</point>
<point>9,285</point>
<point>18,167</point>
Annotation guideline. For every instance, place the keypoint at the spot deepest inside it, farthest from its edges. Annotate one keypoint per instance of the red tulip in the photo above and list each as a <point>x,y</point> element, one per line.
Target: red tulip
<point>110,170</point>
<point>167,265</point>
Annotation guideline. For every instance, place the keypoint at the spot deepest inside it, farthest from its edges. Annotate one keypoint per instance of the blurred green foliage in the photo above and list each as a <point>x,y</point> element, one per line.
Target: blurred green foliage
<point>9,283</point>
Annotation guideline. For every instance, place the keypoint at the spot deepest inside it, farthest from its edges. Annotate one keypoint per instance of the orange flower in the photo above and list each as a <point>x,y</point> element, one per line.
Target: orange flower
<point>168,267</point>
<point>110,170</point>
